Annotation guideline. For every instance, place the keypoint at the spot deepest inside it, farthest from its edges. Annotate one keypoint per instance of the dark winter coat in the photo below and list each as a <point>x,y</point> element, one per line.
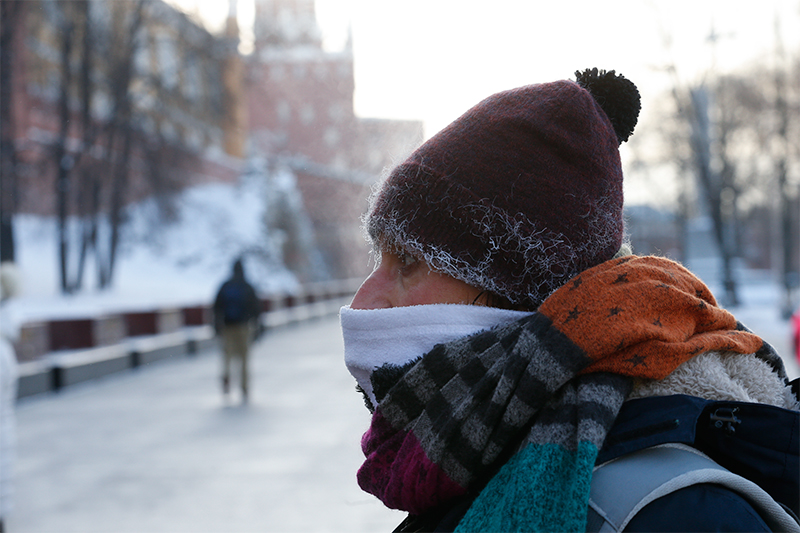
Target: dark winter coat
<point>763,445</point>
<point>758,442</point>
<point>236,301</point>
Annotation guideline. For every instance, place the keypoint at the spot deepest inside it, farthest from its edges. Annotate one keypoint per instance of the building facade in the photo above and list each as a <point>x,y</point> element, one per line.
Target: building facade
<point>301,114</point>
<point>99,85</point>
<point>86,71</point>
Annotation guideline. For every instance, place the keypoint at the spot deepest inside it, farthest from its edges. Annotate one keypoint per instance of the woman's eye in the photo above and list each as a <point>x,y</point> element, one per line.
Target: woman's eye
<point>407,261</point>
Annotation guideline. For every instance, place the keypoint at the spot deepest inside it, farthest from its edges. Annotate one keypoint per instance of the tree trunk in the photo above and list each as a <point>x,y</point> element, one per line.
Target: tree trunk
<point>712,188</point>
<point>123,106</point>
<point>782,183</point>
<point>64,161</point>
<point>10,14</point>
<point>117,203</point>
<point>85,200</point>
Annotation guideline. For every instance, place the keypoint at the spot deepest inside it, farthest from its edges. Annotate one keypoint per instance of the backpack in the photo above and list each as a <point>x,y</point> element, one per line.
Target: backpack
<point>235,301</point>
<point>622,487</point>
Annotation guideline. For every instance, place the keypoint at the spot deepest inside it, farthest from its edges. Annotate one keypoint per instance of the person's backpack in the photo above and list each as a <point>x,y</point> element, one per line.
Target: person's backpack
<point>623,486</point>
<point>234,303</point>
<point>663,444</point>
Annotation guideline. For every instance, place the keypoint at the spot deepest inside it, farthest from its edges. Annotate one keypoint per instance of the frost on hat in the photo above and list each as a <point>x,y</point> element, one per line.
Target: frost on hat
<point>519,194</point>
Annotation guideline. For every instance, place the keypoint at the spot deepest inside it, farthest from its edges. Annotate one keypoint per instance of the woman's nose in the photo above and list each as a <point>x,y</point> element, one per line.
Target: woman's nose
<point>374,293</point>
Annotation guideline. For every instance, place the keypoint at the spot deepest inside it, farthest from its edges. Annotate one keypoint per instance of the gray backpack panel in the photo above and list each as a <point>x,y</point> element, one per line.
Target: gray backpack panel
<point>623,486</point>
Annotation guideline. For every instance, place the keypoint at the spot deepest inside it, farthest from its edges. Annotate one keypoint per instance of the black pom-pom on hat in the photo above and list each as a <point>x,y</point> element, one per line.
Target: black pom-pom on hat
<point>618,97</point>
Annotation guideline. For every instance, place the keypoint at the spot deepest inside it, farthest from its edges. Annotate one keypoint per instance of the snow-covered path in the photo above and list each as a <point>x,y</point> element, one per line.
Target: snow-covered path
<point>159,450</point>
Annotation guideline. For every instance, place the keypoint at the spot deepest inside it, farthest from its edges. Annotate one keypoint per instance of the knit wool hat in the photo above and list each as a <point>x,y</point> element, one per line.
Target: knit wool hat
<point>520,193</point>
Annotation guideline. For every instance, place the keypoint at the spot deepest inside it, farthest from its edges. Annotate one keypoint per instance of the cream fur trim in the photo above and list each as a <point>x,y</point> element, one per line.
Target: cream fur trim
<point>726,376</point>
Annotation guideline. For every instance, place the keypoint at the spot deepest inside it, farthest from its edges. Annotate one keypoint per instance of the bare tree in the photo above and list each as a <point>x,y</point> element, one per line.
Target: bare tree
<point>10,11</point>
<point>88,188</point>
<point>64,160</point>
<point>95,158</point>
<point>135,92</point>
<point>717,110</point>
<point>788,232</point>
<point>739,141</point>
<point>122,55</point>
<point>716,188</point>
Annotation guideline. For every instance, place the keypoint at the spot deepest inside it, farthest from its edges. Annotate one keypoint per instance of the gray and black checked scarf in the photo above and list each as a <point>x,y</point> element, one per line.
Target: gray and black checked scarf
<point>543,391</point>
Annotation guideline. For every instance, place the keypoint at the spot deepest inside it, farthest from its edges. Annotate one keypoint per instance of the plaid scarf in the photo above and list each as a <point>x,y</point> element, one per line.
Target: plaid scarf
<point>544,391</point>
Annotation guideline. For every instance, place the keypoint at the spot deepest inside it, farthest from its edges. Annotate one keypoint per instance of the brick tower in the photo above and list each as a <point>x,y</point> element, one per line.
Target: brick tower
<point>301,115</point>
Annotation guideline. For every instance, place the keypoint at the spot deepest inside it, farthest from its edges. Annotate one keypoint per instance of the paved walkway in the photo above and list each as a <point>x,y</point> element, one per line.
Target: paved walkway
<point>159,450</point>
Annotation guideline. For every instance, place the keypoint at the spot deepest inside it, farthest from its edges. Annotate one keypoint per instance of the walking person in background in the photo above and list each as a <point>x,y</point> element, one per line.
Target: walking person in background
<point>9,287</point>
<point>525,371</point>
<point>236,313</point>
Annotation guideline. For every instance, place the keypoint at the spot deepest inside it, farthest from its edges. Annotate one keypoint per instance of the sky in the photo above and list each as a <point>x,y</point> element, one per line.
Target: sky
<point>431,60</point>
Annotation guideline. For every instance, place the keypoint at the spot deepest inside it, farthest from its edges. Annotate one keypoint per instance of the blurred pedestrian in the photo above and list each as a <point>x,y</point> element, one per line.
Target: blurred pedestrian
<point>236,313</point>
<point>9,287</point>
<point>508,342</point>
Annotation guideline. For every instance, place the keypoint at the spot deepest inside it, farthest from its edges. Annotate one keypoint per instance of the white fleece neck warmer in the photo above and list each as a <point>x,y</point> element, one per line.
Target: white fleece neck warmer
<point>724,376</point>
<point>398,335</point>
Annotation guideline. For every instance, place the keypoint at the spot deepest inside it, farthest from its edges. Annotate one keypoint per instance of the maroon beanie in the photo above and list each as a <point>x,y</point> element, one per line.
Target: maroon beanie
<point>520,193</point>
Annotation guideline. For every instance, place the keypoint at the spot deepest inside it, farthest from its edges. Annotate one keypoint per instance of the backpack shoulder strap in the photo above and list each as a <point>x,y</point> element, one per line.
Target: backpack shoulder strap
<point>623,486</point>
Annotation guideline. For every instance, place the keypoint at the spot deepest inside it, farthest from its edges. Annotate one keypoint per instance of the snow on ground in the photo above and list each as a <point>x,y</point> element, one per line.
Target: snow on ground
<point>180,263</point>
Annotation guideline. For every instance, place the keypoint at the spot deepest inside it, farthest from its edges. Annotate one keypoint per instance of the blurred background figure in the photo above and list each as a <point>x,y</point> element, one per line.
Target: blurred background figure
<point>9,287</point>
<point>236,312</point>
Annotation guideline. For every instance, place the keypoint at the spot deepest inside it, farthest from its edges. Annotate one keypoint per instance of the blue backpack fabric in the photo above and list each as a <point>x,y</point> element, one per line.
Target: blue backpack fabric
<point>756,442</point>
<point>234,303</point>
<point>623,487</point>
